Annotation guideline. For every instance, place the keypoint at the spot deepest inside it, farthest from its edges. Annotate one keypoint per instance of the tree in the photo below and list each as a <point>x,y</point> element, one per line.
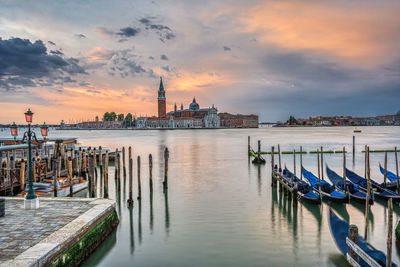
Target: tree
<point>113,116</point>
<point>128,120</point>
<point>292,120</point>
<point>106,116</point>
<point>120,117</point>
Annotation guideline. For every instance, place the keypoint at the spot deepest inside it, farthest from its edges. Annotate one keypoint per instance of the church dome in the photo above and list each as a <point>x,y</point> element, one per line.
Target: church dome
<point>194,105</point>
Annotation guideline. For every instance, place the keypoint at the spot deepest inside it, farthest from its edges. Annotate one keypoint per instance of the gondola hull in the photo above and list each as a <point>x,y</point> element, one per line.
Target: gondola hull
<point>339,230</point>
<point>312,200</point>
<point>327,197</point>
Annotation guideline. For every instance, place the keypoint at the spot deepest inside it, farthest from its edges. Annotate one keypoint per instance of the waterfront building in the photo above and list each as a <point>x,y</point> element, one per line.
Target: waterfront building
<point>238,120</point>
<point>192,117</point>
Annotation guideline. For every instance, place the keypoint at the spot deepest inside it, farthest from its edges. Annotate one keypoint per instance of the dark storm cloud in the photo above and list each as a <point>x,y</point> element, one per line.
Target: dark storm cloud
<point>80,36</point>
<point>128,32</point>
<point>164,32</point>
<point>226,48</point>
<point>56,52</point>
<point>163,57</point>
<point>306,66</point>
<point>24,63</point>
<point>52,43</point>
<point>126,64</point>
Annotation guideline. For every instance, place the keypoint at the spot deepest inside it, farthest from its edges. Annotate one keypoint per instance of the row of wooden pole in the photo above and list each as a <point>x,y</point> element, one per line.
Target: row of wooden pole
<point>353,230</point>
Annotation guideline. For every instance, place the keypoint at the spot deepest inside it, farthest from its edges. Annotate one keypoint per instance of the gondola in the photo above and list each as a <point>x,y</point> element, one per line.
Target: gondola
<point>328,191</point>
<point>390,175</point>
<point>378,190</point>
<point>352,190</point>
<point>304,190</point>
<point>340,230</point>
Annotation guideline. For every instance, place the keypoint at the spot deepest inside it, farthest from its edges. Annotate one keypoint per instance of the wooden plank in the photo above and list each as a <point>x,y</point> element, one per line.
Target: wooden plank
<point>351,261</point>
<point>361,253</point>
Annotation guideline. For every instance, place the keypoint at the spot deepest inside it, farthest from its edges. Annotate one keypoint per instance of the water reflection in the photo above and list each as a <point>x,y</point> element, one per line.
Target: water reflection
<point>131,230</point>
<point>340,209</point>
<point>166,211</point>
<point>151,213</point>
<point>140,221</point>
<point>259,183</point>
<point>208,179</point>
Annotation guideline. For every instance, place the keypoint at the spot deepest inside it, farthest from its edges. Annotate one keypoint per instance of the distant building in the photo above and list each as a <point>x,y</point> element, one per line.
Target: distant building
<point>238,121</point>
<point>192,117</point>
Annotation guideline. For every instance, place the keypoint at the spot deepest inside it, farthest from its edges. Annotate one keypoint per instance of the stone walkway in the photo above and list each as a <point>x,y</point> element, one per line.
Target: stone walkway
<point>21,229</point>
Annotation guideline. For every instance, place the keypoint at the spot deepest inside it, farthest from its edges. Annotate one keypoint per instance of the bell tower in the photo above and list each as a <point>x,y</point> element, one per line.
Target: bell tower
<point>161,100</point>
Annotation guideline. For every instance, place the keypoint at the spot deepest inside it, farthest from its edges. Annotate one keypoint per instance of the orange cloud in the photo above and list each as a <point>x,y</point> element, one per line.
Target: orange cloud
<point>98,54</point>
<point>362,32</point>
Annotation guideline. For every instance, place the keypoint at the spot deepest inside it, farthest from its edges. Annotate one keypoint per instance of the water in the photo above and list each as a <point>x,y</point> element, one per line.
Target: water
<point>221,210</point>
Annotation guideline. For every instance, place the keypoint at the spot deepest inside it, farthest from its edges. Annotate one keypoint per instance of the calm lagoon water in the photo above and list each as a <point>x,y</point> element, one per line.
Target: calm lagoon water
<point>220,209</point>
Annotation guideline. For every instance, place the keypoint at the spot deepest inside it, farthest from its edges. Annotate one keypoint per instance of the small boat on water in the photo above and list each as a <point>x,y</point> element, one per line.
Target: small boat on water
<point>390,175</point>
<point>328,191</point>
<point>46,187</point>
<point>357,130</point>
<point>304,190</point>
<point>340,231</point>
<point>378,189</point>
<point>351,189</point>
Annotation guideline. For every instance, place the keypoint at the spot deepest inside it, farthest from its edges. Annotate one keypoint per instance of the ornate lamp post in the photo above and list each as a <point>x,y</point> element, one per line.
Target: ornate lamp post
<point>44,129</point>
<point>31,200</point>
<point>14,131</point>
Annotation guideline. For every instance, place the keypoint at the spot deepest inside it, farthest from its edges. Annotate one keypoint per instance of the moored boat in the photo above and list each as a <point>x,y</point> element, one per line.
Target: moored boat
<point>304,190</point>
<point>328,191</point>
<point>46,187</point>
<point>378,190</point>
<point>340,231</point>
<point>351,189</point>
<point>390,175</point>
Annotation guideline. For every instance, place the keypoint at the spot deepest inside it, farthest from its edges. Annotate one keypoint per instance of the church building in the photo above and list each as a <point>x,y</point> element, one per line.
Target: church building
<point>192,117</point>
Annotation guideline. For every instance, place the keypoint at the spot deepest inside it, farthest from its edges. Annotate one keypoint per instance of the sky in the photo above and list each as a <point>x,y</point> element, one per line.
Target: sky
<point>73,60</point>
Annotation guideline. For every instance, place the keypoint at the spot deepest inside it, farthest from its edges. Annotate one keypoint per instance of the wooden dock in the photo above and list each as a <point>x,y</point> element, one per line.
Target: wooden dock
<point>63,232</point>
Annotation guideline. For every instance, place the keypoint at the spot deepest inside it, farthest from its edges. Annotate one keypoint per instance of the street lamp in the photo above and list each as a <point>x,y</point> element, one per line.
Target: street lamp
<point>44,129</point>
<point>31,201</point>
<point>14,131</point>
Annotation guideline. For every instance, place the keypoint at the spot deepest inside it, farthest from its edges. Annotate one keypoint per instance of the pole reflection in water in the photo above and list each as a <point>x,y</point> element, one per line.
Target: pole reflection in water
<point>140,222</point>
<point>259,179</point>
<point>166,212</point>
<point>151,213</point>
<point>131,231</point>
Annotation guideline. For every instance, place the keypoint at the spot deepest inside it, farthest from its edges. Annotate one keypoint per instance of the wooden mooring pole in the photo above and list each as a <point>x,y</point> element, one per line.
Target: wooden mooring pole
<point>319,175</point>
<point>138,177</point>
<point>279,158</point>
<point>22,174</point>
<point>344,169</point>
<point>390,230</point>
<point>368,194</point>
<point>354,145</point>
<point>123,164</point>
<point>397,167</point>
<point>92,174</point>
<point>166,156</point>
<point>70,175</point>
<point>151,173</point>
<point>248,146</point>
<point>130,199</point>
<point>106,175</point>
<point>322,163</point>
<point>385,174</point>
<point>301,162</point>
<point>116,162</point>
<point>353,236</point>
<point>55,180</point>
